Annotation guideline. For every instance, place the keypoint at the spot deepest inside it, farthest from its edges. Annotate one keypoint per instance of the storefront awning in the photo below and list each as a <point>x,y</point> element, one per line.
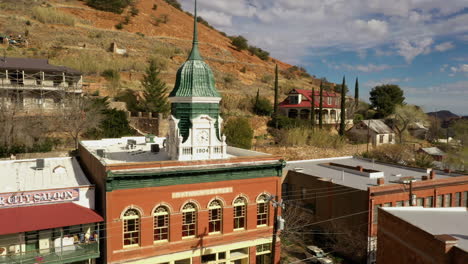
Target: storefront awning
<point>30,218</point>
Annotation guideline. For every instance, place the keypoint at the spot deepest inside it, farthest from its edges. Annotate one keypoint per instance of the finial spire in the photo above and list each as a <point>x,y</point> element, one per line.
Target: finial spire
<point>195,54</point>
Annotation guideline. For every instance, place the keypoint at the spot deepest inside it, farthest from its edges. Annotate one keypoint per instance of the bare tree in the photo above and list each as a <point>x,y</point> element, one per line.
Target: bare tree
<point>405,115</point>
<point>78,115</point>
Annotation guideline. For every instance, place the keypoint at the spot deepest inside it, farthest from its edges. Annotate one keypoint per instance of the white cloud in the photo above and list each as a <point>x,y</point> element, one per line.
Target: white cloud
<point>443,68</point>
<point>368,68</point>
<point>461,68</point>
<point>410,49</point>
<point>373,83</point>
<point>444,46</point>
<point>216,18</point>
<point>310,27</point>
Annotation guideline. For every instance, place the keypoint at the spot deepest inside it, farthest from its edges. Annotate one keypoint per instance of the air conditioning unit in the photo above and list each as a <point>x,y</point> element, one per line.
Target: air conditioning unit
<point>39,164</point>
<point>3,251</point>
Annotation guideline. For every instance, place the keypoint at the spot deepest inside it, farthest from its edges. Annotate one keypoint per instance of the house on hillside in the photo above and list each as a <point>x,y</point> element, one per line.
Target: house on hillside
<point>434,152</point>
<point>377,131</point>
<point>34,84</point>
<point>418,130</point>
<point>298,105</point>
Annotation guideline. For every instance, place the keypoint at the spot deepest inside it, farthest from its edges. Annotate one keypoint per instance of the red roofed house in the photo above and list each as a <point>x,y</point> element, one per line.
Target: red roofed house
<point>298,105</point>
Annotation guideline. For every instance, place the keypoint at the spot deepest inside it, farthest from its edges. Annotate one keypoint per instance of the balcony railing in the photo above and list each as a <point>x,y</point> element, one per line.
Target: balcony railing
<point>65,254</point>
<point>32,87</point>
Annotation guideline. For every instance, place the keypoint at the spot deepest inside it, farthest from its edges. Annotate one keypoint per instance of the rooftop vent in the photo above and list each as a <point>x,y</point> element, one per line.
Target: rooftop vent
<point>298,169</point>
<point>131,143</point>
<point>39,164</point>
<point>101,153</point>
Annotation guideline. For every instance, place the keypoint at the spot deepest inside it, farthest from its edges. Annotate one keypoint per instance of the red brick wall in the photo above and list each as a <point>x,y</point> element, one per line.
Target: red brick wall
<point>146,200</point>
<point>400,242</point>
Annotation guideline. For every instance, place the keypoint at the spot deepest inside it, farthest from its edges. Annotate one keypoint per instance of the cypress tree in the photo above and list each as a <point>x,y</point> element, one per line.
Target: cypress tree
<point>312,108</point>
<point>356,93</point>
<point>321,106</point>
<point>343,110</point>
<point>154,91</point>
<point>275,106</point>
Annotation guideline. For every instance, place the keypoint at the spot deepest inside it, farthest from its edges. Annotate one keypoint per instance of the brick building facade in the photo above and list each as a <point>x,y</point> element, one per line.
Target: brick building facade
<point>356,188</point>
<point>422,235</point>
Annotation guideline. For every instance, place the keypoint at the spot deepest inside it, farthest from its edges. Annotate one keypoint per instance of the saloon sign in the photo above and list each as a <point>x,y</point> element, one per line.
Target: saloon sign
<point>38,197</point>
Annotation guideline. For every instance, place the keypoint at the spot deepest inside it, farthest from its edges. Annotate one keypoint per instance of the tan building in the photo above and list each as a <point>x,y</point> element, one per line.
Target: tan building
<point>34,84</point>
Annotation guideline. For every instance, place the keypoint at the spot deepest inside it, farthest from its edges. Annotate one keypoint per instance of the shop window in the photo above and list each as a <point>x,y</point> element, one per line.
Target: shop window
<point>161,223</point>
<point>189,220</point>
<point>215,258</point>
<point>183,261</point>
<point>448,200</point>
<point>131,222</point>
<point>429,202</point>
<point>439,201</point>
<point>262,210</point>
<point>465,199</point>
<point>239,213</point>
<point>239,256</point>
<point>215,216</point>
<point>419,201</point>
<point>263,254</point>
<point>399,203</point>
<point>458,199</point>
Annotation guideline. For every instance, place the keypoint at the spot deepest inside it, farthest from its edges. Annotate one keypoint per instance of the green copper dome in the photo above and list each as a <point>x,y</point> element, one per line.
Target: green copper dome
<point>194,78</point>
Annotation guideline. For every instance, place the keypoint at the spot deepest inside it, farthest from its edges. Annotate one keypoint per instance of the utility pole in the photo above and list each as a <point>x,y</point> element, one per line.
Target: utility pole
<point>278,225</point>
<point>368,135</point>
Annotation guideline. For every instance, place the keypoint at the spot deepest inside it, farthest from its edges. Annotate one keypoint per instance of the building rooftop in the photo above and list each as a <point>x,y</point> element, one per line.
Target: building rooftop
<point>117,150</point>
<point>377,125</point>
<point>348,175</point>
<point>10,63</point>
<point>450,221</point>
<point>435,151</point>
<point>23,175</point>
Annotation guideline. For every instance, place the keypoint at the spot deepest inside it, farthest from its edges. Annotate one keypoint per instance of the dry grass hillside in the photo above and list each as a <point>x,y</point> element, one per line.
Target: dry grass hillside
<point>73,34</point>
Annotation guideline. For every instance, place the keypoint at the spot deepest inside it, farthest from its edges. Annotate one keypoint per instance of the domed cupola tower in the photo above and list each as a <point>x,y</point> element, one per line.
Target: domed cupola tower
<point>195,124</point>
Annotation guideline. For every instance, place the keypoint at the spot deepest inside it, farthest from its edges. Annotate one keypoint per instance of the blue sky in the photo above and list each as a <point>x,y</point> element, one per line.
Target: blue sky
<point>421,45</point>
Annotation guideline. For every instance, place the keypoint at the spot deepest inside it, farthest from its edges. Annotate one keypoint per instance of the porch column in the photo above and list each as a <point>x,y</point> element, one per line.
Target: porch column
<point>63,79</point>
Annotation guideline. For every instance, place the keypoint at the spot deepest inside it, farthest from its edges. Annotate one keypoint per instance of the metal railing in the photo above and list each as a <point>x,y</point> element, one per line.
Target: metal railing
<point>64,254</point>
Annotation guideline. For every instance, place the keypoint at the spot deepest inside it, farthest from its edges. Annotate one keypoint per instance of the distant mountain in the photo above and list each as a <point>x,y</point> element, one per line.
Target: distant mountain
<point>443,114</point>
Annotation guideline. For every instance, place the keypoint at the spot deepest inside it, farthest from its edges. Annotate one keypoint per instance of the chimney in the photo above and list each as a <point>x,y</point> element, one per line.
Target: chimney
<point>424,178</point>
<point>380,181</point>
<point>432,175</point>
<point>360,168</point>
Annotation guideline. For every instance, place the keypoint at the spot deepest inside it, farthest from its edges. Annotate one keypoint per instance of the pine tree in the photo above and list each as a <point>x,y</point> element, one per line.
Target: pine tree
<point>321,106</point>
<point>312,109</point>
<point>343,109</point>
<point>275,104</point>
<point>356,93</point>
<point>155,99</point>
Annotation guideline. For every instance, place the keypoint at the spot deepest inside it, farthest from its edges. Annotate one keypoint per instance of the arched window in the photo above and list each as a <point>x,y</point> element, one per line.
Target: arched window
<point>215,216</point>
<point>239,213</point>
<point>189,220</point>
<point>131,227</point>
<point>262,210</point>
<point>161,223</point>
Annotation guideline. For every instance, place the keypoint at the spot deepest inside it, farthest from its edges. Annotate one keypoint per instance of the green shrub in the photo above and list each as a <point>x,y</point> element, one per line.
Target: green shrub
<point>111,75</point>
<point>119,26</point>
<point>239,132</point>
<point>134,11</point>
<point>304,136</point>
<point>267,78</point>
<point>240,43</point>
<point>115,6</point>
<point>126,20</point>
<point>262,106</point>
<point>243,69</point>
<point>174,3</point>
<point>140,34</point>
<point>52,16</point>
<point>155,7</point>
<point>262,54</point>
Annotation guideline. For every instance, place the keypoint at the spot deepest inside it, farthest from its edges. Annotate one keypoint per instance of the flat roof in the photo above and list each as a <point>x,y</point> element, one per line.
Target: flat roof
<point>450,221</point>
<point>22,175</point>
<point>354,179</point>
<point>116,150</point>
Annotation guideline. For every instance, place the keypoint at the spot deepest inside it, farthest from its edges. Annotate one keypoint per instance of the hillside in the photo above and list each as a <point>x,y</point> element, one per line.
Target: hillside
<point>443,115</point>
<point>81,37</point>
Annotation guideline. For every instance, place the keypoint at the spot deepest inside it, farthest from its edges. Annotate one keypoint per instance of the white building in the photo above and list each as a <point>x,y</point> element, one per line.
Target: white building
<point>46,212</point>
<point>373,131</point>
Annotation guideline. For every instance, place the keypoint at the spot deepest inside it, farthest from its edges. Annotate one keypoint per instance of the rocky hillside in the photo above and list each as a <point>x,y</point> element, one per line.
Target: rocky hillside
<point>73,34</point>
